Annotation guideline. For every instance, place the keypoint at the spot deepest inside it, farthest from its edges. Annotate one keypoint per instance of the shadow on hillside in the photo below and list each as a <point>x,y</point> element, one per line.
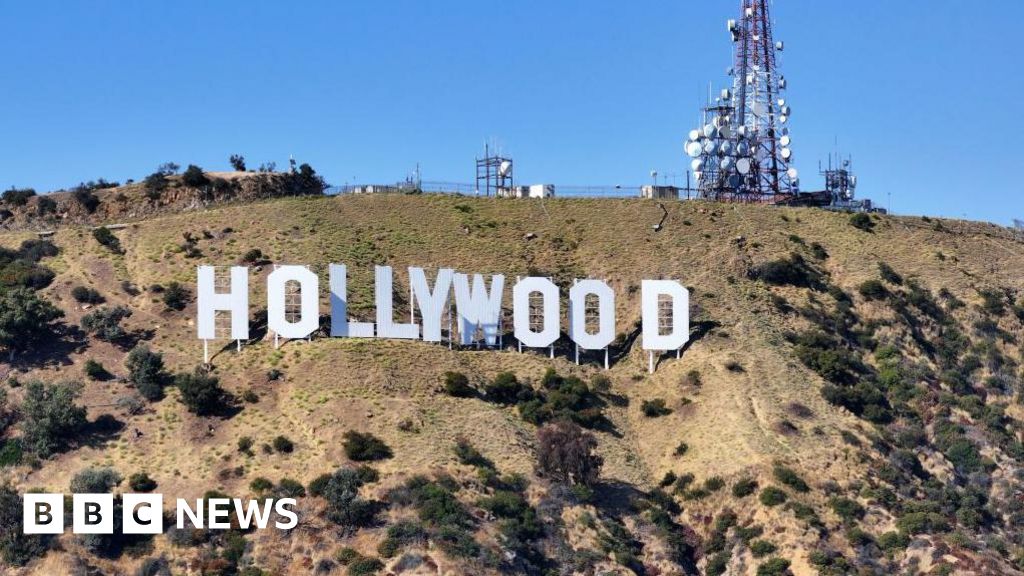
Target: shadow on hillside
<point>102,431</point>
<point>615,498</point>
<point>67,339</point>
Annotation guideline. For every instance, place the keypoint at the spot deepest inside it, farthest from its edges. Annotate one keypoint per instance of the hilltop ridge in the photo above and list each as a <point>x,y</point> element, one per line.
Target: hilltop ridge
<point>849,396</point>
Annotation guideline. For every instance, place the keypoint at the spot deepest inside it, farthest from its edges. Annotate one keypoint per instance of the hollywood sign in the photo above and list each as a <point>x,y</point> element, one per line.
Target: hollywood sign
<point>477,308</point>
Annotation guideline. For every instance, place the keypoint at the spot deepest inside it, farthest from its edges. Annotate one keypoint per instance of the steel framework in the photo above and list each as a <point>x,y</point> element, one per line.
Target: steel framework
<point>742,151</point>
<point>494,174</point>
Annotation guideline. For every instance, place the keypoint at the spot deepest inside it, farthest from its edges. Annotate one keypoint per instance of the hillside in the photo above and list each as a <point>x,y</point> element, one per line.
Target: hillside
<point>881,403</point>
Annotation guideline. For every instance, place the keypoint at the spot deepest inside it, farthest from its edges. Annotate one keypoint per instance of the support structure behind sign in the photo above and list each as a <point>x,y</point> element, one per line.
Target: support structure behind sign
<point>221,318</point>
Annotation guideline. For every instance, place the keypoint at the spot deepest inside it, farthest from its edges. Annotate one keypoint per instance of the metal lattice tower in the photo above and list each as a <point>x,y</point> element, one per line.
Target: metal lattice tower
<point>742,151</point>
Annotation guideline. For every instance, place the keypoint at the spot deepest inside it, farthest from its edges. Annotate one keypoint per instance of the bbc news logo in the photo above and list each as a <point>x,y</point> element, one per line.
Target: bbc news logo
<point>143,513</point>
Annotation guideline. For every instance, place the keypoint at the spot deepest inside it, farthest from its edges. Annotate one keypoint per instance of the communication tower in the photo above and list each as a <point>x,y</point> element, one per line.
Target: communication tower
<point>743,150</point>
<point>494,174</point>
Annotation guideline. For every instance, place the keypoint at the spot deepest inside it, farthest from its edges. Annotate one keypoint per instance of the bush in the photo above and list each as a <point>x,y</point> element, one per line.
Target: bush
<point>26,320</point>
<point>283,445</point>
<point>245,444</point>
<point>52,420</point>
<point>288,488</point>
<point>105,323</point>
<point>655,408</point>
<point>682,449</point>
<point>95,370</point>
<point>176,296</point>
<point>253,256</point>
<point>260,484</point>
<point>744,487</point>
<point>237,162</point>
<point>506,389</point>
<point>16,547</point>
<point>344,505</point>
<point>194,177</point>
<point>468,454</point>
<point>762,548</point>
<point>141,482</point>
<point>873,290</point>
<point>862,221</point>
<point>146,372</point>
<point>774,567</point>
<point>85,295</point>
<point>45,205</point>
<point>155,184</point>
<point>566,454</point>
<point>772,496</point>
<point>17,196</point>
<point>457,384</point>
<point>790,478</point>
<point>365,447</point>
<point>95,480</point>
<point>105,237</point>
<point>86,198</point>
<point>201,392</point>
<point>847,509</point>
<point>365,566</point>
<point>318,485</point>
<point>714,484</point>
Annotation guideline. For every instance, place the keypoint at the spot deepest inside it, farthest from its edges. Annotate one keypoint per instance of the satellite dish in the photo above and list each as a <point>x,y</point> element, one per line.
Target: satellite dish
<point>743,166</point>
<point>709,147</point>
<point>709,131</point>
<point>742,148</point>
<point>727,163</point>
<point>787,111</point>
<point>504,168</point>
<point>779,45</point>
<point>698,175</point>
<point>693,149</point>
<point>792,173</point>
<point>782,101</point>
<point>725,148</point>
<point>785,140</point>
<point>734,181</point>
<point>760,109</point>
<point>783,118</point>
<point>725,132</point>
<point>741,131</point>
<point>787,153</point>
<point>782,83</point>
<point>696,164</point>
<point>695,135</point>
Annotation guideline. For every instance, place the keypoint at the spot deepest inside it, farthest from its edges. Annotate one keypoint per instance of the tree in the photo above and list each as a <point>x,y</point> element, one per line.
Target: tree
<point>167,168</point>
<point>146,371</point>
<point>16,547</point>
<point>18,196</point>
<point>86,295</point>
<point>105,323</point>
<point>565,453</point>
<point>194,177</point>
<point>52,418</point>
<point>175,296</point>
<point>238,162</point>
<point>200,392</point>
<point>155,184</point>
<point>344,505</point>
<point>25,319</point>
<point>84,196</point>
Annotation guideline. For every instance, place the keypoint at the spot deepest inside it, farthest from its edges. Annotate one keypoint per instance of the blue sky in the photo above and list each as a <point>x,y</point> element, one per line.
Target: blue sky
<point>924,95</point>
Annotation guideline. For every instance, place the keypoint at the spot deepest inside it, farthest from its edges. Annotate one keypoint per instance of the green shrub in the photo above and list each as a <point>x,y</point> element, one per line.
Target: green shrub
<point>762,548</point>
<point>893,541</point>
<point>141,482</point>
<point>201,392</point>
<point>772,496</point>
<point>318,485</point>
<point>346,556</point>
<point>744,487</point>
<point>16,547</point>
<point>95,480</point>
<point>260,485</point>
<point>792,271</point>
<point>146,372</point>
<point>873,290</point>
<point>774,567</point>
<point>194,177</point>
<point>365,567</point>
<point>289,488</point>
<point>457,384</point>
<point>655,408</point>
<point>11,452</point>
<point>283,445</point>
<point>847,509</point>
<point>105,237</point>
<point>468,454</point>
<point>506,389</point>
<point>862,221</point>
<point>26,319</point>
<point>714,484</point>
<point>52,421</point>
<point>17,196</point>
<point>176,296</point>
<point>95,370</point>
<point>365,447</point>
<point>86,295</point>
<point>105,323</point>
<point>681,449</point>
<point>790,478</point>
